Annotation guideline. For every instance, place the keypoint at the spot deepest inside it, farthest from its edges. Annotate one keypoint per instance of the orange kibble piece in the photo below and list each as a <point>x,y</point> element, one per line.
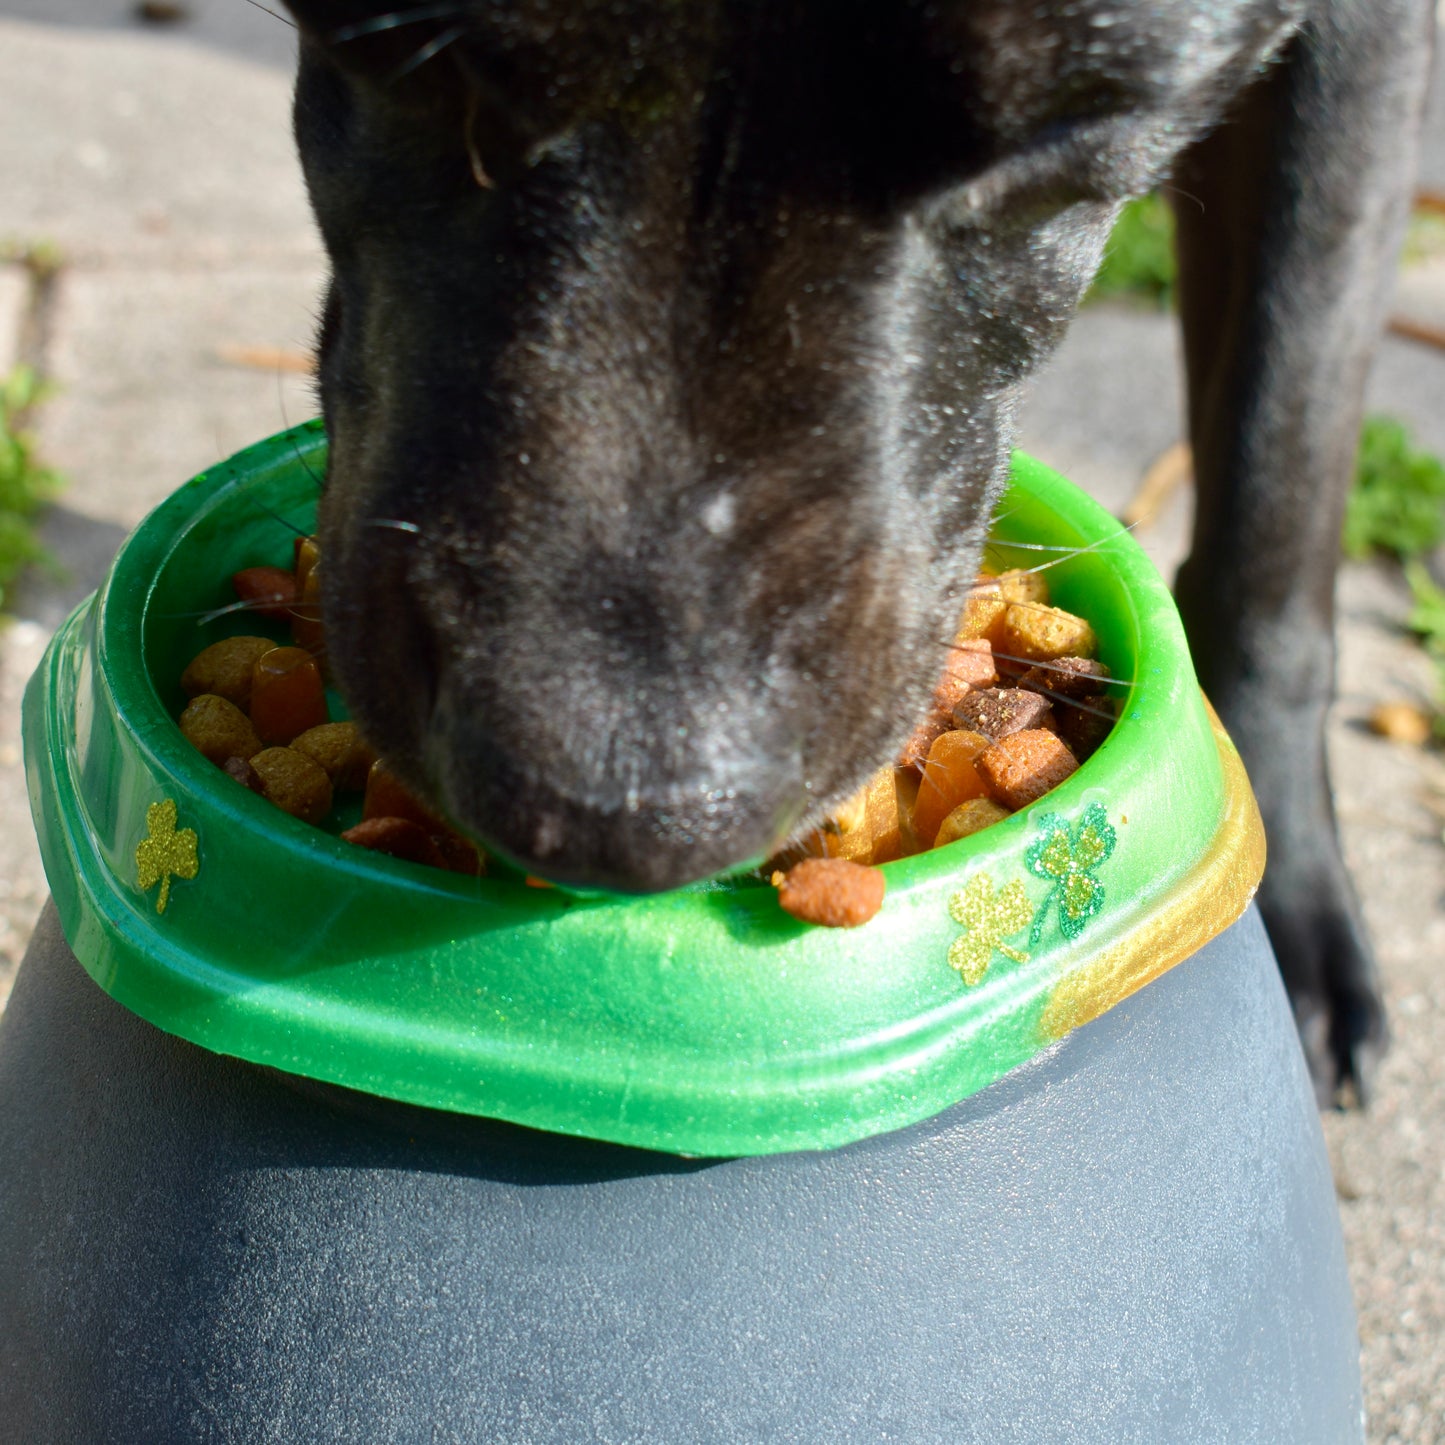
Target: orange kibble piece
<point>307,555</point>
<point>267,591</point>
<point>306,627</point>
<point>969,818</point>
<point>1021,768</point>
<point>287,695</point>
<point>832,891</point>
<point>950,777</point>
<point>1040,634</point>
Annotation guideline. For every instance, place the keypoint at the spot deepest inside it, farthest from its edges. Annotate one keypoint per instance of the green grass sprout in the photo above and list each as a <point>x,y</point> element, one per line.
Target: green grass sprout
<point>25,483</point>
<point>1139,257</point>
<point>1398,501</point>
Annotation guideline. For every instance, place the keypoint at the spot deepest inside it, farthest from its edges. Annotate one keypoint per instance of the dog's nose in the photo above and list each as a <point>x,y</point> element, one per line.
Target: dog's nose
<point>618,820</point>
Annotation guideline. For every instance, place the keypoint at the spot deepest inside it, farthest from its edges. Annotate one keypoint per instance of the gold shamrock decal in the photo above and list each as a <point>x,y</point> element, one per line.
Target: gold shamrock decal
<point>990,918</point>
<point>165,851</point>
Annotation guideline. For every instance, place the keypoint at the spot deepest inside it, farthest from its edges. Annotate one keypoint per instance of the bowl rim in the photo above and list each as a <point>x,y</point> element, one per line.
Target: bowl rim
<point>567,1045</point>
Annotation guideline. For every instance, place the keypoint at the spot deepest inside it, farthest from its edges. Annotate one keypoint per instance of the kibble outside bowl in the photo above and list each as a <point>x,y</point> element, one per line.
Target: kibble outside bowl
<point>872,1174</point>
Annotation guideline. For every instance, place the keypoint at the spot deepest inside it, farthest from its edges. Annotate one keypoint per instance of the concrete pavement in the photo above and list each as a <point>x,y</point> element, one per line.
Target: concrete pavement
<point>160,163</point>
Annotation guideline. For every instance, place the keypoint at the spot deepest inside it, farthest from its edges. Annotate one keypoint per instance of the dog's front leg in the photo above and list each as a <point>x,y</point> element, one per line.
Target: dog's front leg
<point>1290,220</point>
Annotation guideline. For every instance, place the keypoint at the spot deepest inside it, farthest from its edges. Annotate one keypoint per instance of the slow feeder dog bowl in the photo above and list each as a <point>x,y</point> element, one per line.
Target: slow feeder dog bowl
<point>704,1024</point>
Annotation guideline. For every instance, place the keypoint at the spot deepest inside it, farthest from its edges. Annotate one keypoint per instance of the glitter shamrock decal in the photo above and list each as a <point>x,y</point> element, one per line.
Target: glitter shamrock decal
<point>164,852</point>
<point>990,918</point>
<point>1068,860</point>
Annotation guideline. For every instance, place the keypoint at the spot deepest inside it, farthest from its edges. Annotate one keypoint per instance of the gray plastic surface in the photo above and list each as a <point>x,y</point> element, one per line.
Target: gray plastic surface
<point>1132,1239</point>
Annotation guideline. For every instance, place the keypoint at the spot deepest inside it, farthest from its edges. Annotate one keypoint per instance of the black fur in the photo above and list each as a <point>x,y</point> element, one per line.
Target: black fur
<point>685,341</point>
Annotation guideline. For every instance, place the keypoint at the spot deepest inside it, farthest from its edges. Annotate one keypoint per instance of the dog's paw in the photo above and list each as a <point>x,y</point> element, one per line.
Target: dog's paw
<point>1329,973</point>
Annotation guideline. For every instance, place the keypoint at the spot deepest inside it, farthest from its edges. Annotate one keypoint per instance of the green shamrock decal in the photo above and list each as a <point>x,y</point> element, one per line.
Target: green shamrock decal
<point>990,918</point>
<point>1068,859</point>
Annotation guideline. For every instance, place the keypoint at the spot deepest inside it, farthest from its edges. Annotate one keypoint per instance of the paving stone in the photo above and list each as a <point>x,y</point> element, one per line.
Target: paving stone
<point>131,145</point>
<point>14,294</point>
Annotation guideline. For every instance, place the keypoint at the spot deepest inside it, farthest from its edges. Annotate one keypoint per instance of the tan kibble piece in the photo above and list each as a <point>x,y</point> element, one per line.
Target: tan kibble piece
<point>1040,634</point>
<point>341,750</point>
<point>832,892</point>
<point>224,668</point>
<point>1021,768</point>
<point>982,614</point>
<point>1021,585</point>
<point>294,783</point>
<point>218,729</point>
<point>969,818</point>
<point>1401,722</point>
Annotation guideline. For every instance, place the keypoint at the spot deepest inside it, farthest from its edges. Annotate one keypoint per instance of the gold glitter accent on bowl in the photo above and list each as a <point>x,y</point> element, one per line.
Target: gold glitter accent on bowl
<point>989,918</point>
<point>165,851</point>
<point>1206,901</point>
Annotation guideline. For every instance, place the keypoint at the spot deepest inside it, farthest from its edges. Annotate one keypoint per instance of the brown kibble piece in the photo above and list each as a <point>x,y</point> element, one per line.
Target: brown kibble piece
<point>218,729</point>
<point>832,892</point>
<point>244,774</point>
<point>267,591</point>
<point>1401,722</point>
<point>341,750</point>
<point>1041,634</point>
<point>287,695</point>
<point>952,686</point>
<point>224,668</point>
<point>969,818</point>
<point>950,777</point>
<point>1067,677</point>
<point>294,783</point>
<point>998,711</point>
<point>1084,723</point>
<point>1022,767</point>
<point>398,837</point>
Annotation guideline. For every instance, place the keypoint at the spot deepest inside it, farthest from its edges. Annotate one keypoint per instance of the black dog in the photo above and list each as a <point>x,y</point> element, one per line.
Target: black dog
<point>670,365</point>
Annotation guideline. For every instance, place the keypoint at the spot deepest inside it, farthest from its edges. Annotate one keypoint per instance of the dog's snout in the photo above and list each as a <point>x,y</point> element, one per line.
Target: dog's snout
<point>631,810</point>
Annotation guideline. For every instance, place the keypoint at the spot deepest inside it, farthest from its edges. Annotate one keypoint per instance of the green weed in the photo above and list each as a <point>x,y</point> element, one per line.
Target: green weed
<point>25,483</point>
<point>1139,256</point>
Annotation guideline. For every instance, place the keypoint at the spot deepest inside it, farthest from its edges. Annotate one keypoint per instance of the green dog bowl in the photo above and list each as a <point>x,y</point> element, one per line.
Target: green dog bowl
<point>704,1021</point>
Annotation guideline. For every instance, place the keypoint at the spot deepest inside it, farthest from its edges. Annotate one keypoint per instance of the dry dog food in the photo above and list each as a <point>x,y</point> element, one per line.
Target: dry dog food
<point>831,891</point>
<point>982,751</point>
<point>258,711</point>
<point>986,747</point>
